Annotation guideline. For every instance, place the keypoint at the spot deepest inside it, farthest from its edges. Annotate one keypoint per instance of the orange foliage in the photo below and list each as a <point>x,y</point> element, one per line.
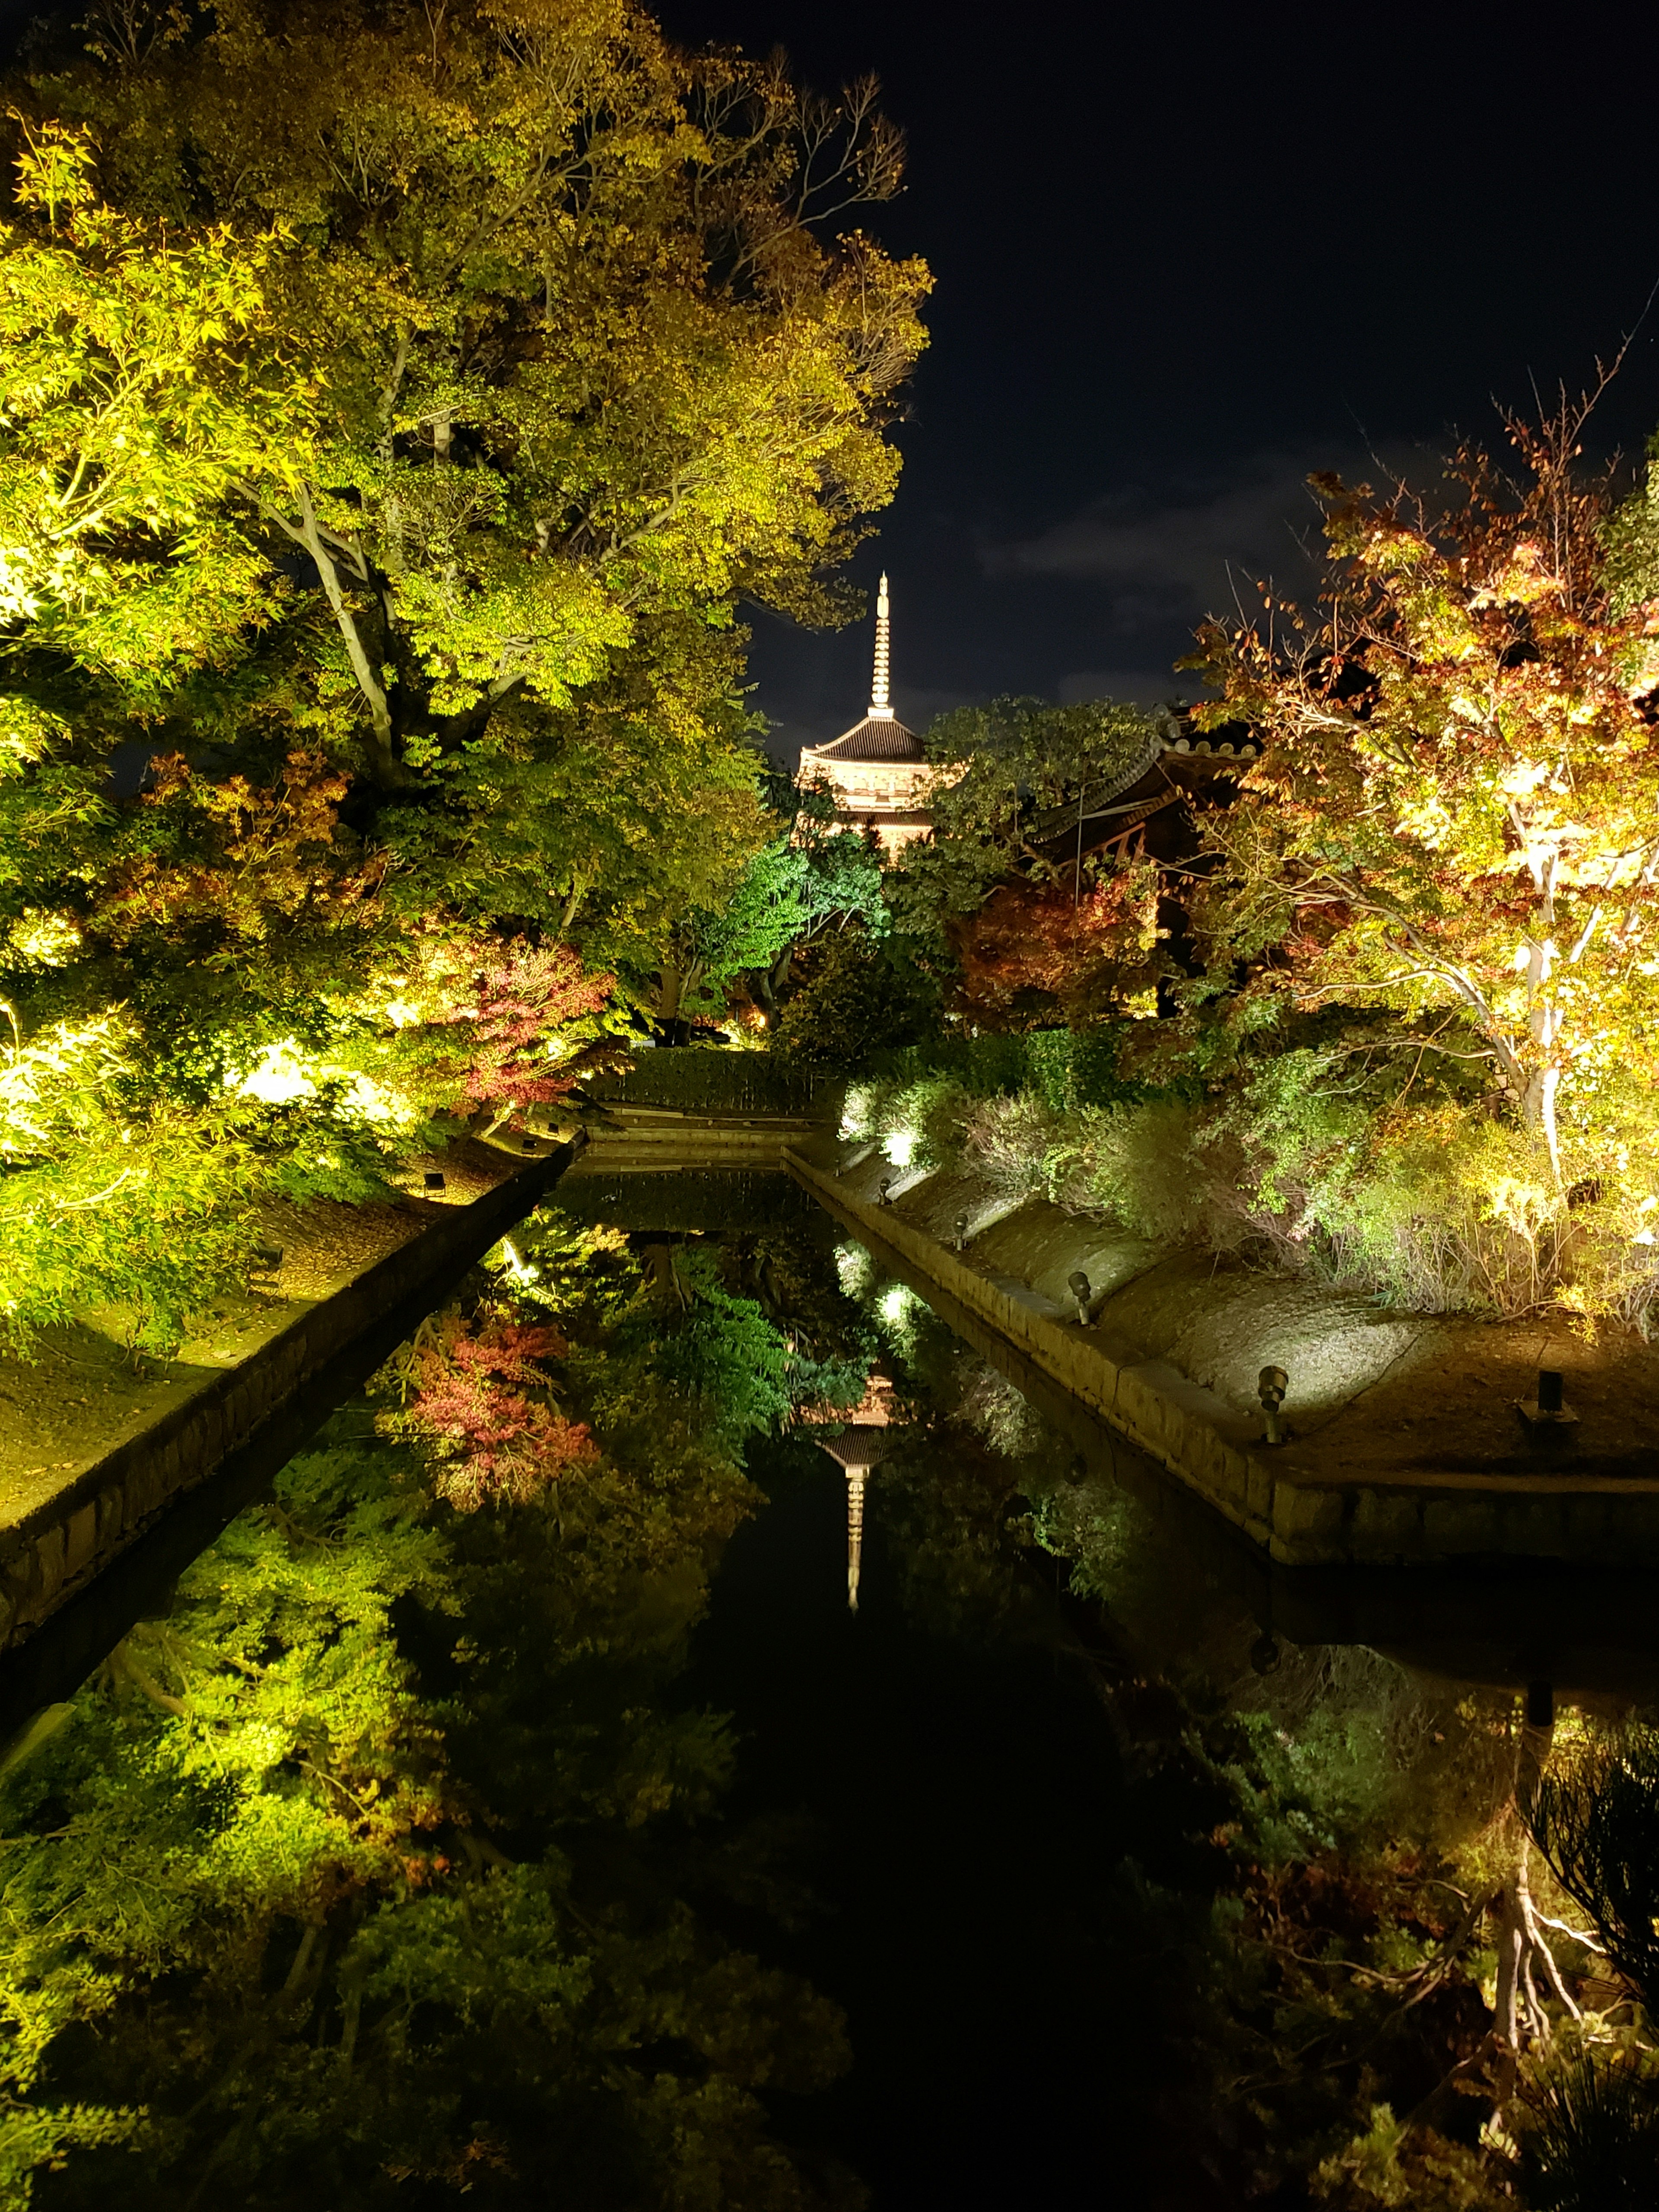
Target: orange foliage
<point>525,995</point>
<point>1029,952</point>
<point>482,1401</point>
<point>247,856</point>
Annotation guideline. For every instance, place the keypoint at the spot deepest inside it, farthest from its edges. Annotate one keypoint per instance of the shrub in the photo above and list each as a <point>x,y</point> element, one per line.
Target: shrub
<point>859,999</point>
<point>1590,2141</point>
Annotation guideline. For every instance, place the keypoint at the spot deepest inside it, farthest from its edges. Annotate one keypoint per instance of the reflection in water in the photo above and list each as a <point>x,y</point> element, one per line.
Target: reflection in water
<point>513,1808</point>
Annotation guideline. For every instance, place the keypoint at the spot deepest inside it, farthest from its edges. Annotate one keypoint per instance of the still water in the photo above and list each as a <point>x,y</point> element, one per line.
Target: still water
<point>404,1857</point>
<point>963,1807</point>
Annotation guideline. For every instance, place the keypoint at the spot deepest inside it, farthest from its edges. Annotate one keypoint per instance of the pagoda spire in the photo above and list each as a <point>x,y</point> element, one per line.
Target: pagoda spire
<point>855,1533</point>
<point>881,708</point>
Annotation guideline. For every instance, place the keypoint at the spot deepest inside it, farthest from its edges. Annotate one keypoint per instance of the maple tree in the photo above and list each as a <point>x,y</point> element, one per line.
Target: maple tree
<point>765,912</point>
<point>1454,817</point>
<point>586,370</point>
<point>1034,950</point>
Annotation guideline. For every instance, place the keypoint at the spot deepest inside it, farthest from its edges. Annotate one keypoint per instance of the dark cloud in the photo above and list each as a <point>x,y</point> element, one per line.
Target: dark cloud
<point>1134,687</point>
<point>1189,547</point>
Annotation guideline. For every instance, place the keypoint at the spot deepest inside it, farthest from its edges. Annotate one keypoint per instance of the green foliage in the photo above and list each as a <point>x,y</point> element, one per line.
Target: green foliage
<point>1593,1813</point>
<point>394,415</point>
<point>146,373</point>
<point>723,1352</point>
<point>1071,1068</point>
<point>1304,1153</point>
<point>766,912</point>
<point>862,998</point>
<point>999,767</point>
<point>1590,2137</point>
<point>1451,820</point>
<point>103,1205</point>
<point>696,1338</point>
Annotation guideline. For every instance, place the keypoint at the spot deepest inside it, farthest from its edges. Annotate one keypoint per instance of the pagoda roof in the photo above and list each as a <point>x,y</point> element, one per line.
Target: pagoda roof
<point>877,738</point>
<point>862,1445</point>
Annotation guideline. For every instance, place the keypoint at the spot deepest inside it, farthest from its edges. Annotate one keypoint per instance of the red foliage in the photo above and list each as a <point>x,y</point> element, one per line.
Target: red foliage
<point>1029,941</point>
<point>494,1442</point>
<point>525,995</point>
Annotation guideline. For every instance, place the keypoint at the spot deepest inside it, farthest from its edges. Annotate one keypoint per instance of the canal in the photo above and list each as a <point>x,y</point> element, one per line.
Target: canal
<point>513,1807</point>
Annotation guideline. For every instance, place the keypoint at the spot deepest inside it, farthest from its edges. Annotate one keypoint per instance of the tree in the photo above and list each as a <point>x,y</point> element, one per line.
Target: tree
<point>862,997</point>
<point>998,767</point>
<point>1454,817</point>
<point>586,371</point>
<point>485,1407</point>
<point>398,407</point>
<point>838,877</point>
<point>1035,950</point>
<point>765,912</point>
<point>1591,1812</point>
<point>146,374</point>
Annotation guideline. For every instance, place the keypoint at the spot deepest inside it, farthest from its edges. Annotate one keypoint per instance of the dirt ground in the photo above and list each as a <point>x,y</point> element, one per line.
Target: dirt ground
<point>1449,1407</point>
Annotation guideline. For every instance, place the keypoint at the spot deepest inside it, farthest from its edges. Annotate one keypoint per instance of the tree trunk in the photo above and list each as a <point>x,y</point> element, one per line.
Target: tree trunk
<point>1511,1940</point>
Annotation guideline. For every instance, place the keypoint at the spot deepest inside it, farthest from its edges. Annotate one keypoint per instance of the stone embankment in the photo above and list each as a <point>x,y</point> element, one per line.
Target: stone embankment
<point>84,1482</point>
<point>1405,1444</point>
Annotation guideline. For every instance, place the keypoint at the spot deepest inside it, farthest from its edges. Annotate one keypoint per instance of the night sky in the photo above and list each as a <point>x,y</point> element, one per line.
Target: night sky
<point>1184,257</point>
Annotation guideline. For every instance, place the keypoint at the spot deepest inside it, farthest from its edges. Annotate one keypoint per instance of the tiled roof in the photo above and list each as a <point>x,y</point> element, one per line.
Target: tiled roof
<point>862,1445</point>
<point>1096,798</point>
<point>877,738</point>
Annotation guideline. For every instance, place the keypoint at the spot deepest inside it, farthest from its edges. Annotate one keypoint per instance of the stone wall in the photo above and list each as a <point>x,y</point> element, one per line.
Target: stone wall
<point>62,1543</point>
<point>1301,1512</point>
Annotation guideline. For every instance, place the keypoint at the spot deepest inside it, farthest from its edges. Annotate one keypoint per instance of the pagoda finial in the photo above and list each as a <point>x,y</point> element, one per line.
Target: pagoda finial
<point>880,703</point>
<point>855,1533</point>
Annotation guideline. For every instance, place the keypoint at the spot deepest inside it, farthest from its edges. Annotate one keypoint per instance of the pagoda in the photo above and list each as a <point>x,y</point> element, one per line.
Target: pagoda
<point>876,770</point>
<point>865,1435</point>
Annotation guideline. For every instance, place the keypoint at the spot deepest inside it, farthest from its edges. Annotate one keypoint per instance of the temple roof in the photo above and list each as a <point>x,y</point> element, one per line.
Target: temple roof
<point>880,736</point>
<point>877,738</point>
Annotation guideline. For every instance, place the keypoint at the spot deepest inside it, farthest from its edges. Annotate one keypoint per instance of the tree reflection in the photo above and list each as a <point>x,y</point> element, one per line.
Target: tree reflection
<point>1375,1988</point>
<point>383,1869</point>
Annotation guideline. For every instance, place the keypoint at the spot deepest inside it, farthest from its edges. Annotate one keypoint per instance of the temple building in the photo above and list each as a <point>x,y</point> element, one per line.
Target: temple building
<point>876,770</point>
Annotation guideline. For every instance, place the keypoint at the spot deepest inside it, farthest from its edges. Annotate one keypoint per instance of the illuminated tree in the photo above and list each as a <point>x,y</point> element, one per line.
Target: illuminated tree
<point>1034,950</point>
<point>396,408</point>
<point>147,372</point>
<point>841,881</point>
<point>585,371</point>
<point>998,767</point>
<point>765,912</point>
<point>483,1402</point>
<point>1454,816</point>
<point>860,996</point>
